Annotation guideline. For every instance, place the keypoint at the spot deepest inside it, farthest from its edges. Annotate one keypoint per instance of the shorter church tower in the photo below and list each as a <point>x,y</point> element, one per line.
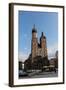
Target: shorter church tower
<point>43,45</point>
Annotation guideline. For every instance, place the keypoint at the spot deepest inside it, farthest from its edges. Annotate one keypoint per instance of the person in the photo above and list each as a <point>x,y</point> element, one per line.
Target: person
<point>55,70</point>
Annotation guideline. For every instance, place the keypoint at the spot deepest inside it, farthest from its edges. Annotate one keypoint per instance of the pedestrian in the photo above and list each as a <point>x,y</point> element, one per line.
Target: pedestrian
<point>55,70</point>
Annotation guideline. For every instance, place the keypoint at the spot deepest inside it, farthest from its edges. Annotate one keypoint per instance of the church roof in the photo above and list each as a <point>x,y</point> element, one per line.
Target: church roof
<point>34,29</point>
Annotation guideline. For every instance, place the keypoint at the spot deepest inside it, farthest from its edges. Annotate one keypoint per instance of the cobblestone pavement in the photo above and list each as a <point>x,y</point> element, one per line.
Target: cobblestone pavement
<point>42,75</point>
<point>45,74</point>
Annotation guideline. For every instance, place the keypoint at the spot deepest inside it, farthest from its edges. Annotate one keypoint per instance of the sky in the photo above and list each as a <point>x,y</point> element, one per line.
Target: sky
<point>46,22</point>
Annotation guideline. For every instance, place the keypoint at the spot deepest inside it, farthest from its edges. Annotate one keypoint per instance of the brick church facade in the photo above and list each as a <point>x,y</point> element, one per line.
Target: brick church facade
<point>38,49</point>
<point>38,57</point>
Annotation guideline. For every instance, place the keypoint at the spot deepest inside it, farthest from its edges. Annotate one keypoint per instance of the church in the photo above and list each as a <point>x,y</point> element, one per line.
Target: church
<point>38,57</point>
<point>38,49</point>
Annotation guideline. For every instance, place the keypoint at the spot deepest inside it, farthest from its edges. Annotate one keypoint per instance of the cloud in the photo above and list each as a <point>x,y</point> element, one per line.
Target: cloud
<point>22,56</point>
<point>52,50</point>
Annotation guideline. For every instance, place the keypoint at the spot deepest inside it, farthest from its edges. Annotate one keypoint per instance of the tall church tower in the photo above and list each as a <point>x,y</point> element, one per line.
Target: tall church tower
<point>34,43</point>
<point>43,45</point>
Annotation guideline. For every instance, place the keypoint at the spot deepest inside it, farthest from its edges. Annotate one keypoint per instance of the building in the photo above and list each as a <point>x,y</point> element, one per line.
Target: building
<point>38,49</point>
<point>38,57</point>
<point>54,61</point>
<point>20,65</point>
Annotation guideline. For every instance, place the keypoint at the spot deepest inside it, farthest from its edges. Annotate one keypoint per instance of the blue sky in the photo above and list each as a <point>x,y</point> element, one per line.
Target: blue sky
<point>46,22</point>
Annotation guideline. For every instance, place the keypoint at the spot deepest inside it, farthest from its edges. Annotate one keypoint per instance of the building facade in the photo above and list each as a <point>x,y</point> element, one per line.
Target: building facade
<point>38,49</point>
<point>38,56</point>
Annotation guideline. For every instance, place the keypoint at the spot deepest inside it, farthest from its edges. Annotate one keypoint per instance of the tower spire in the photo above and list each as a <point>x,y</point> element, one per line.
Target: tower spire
<point>42,34</point>
<point>34,26</point>
<point>34,29</point>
